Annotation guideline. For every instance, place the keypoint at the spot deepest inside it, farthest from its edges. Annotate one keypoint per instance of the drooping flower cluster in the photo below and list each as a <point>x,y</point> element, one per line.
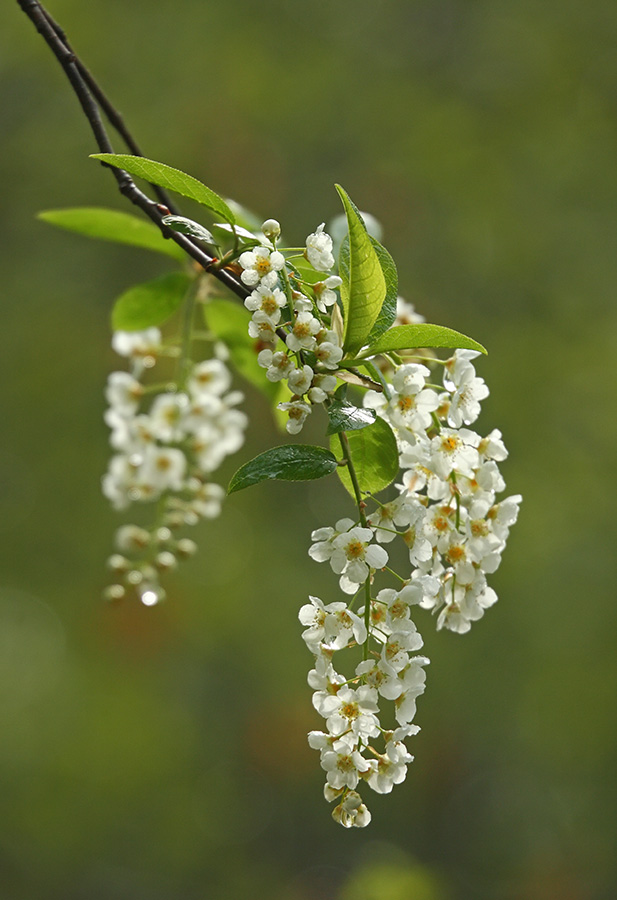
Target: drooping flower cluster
<point>299,317</point>
<point>165,453</point>
<point>453,529</point>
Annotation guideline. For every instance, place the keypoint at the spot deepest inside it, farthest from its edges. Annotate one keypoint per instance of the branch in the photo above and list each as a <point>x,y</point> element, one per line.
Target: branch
<point>91,97</point>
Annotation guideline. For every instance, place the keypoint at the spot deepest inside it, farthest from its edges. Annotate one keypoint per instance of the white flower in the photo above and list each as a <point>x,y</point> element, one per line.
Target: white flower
<point>261,328</point>
<point>334,624</point>
<point>166,416</point>
<point>414,680</point>
<point>209,377</point>
<point>297,410</point>
<point>353,710</point>
<point>380,675</point>
<point>301,302</point>
<point>329,353</point>
<point>322,386</point>
<point>302,335</point>
<point>299,380</point>
<point>454,451</point>
<point>163,469</point>
<point>353,555</point>
<point>278,364</point>
<point>319,250</point>
<point>208,500</point>
<point>269,300</point>
<point>390,771</point>
<point>465,402</point>
<point>325,292</point>
<point>123,392</point>
<point>343,768</point>
<point>260,265</point>
<point>146,343</point>
<point>504,515</point>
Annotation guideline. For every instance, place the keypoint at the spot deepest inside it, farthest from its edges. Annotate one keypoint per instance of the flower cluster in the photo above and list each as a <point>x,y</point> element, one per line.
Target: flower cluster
<point>298,316</point>
<point>165,453</point>
<point>351,707</point>
<point>448,520</point>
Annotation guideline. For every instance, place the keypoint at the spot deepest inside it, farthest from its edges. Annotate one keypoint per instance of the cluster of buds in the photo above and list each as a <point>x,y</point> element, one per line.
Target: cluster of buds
<point>165,453</point>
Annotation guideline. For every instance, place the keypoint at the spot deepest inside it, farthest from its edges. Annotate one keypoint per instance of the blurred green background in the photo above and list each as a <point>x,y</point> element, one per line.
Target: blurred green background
<point>160,753</point>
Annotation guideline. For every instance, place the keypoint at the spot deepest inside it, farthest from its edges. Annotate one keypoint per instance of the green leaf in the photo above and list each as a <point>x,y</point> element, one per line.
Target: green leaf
<point>189,227</point>
<point>365,292</point>
<point>229,321</point>
<point>387,314</point>
<point>344,416</point>
<point>374,455</point>
<point>169,178</point>
<point>408,337</point>
<point>110,225</point>
<point>150,303</point>
<point>290,462</point>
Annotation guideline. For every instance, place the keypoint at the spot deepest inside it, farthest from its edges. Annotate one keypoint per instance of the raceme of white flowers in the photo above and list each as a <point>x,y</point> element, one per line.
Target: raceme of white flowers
<point>165,452</point>
<point>449,518</point>
<point>446,516</point>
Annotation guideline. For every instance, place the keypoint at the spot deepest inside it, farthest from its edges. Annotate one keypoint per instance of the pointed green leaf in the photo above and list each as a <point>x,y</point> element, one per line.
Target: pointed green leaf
<point>290,462</point>
<point>408,337</point>
<point>365,292</point>
<point>169,178</point>
<point>189,227</point>
<point>374,454</point>
<point>387,314</point>
<point>150,303</point>
<point>110,225</point>
<point>229,321</point>
<point>344,416</point>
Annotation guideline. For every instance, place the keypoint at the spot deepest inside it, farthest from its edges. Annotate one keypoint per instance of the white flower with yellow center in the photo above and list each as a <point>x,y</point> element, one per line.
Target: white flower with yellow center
<point>353,556</point>
<point>137,344</point>
<point>123,393</point>
<point>261,266</point>
<point>269,300</point>
<point>299,380</point>
<point>209,377</point>
<point>325,292</point>
<point>343,767</point>
<point>262,329</point>
<point>297,411</point>
<point>302,334</point>
<point>351,710</point>
<point>278,364</point>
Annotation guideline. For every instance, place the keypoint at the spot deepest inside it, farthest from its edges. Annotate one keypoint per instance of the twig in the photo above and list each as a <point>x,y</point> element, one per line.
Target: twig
<point>90,97</point>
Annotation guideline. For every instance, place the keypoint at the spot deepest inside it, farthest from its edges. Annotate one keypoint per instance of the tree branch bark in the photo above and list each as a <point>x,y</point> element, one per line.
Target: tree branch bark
<point>92,100</point>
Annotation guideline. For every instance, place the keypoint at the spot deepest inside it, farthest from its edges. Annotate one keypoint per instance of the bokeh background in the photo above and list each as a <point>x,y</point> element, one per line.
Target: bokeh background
<point>160,753</point>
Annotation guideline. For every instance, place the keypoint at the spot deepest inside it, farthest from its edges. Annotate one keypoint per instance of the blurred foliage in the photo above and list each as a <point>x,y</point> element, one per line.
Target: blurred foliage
<point>160,753</point>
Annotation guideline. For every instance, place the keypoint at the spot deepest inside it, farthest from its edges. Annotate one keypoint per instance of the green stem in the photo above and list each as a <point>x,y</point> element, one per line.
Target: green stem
<point>187,335</point>
<point>360,502</point>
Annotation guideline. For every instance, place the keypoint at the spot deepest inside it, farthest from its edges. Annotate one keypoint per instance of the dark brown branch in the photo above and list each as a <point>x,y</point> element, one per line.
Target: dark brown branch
<point>112,115</point>
<point>90,98</point>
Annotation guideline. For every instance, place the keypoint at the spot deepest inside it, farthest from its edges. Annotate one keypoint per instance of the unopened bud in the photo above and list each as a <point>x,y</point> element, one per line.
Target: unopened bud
<point>165,561</point>
<point>186,547</point>
<point>272,229</point>
<point>131,538</point>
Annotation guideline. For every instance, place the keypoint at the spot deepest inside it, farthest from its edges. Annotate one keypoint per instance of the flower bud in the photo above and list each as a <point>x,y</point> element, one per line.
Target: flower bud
<point>272,229</point>
<point>185,548</point>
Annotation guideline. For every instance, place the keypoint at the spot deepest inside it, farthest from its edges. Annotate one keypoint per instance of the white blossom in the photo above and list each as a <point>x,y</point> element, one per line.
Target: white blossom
<point>319,250</point>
